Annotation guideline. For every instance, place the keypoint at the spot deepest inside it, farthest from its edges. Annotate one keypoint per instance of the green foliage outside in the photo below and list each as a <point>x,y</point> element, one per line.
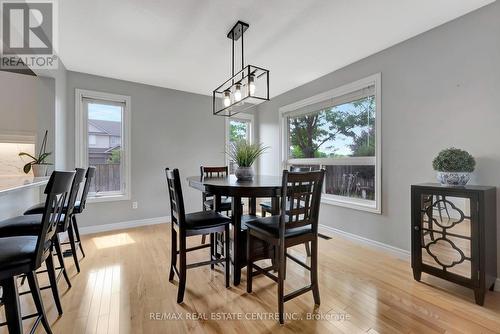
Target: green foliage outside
<point>454,160</point>
<point>310,133</point>
<point>237,131</point>
<point>114,158</point>
<point>364,144</point>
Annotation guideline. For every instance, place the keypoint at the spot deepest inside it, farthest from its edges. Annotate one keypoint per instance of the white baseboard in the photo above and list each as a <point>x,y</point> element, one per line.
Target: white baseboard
<point>123,225</point>
<point>398,252</point>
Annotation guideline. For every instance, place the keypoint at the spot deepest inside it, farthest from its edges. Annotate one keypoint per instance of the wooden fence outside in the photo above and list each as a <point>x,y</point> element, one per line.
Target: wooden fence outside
<point>107,177</point>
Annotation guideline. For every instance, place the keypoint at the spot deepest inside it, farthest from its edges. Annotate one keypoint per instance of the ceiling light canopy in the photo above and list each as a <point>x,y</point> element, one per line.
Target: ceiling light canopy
<point>246,88</point>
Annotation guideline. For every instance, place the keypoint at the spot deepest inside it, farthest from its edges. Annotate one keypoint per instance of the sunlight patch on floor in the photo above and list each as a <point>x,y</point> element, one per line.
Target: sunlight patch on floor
<point>114,240</point>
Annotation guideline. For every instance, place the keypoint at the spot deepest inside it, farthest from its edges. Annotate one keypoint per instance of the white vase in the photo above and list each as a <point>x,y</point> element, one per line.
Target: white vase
<point>244,173</point>
<point>453,178</point>
<point>39,170</point>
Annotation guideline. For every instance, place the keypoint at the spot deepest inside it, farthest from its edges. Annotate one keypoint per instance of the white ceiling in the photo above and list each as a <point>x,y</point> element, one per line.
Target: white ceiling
<point>182,44</point>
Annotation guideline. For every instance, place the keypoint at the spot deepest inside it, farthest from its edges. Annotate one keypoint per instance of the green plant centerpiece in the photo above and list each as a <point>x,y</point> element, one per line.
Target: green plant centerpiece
<point>38,163</point>
<point>244,155</point>
<point>453,166</point>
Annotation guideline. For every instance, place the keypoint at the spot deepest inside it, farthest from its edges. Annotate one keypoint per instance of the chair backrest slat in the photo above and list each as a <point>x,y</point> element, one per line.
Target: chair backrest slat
<point>73,194</point>
<point>175,194</point>
<point>214,171</point>
<point>301,199</point>
<point>57,191</point>
<point>88,180</point>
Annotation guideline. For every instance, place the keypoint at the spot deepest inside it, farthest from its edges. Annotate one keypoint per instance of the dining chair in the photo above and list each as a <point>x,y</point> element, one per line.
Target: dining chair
<point>207,199</point>
<point>24,255</point>
<point>192,224</point>
<point>266,207</point>
<point>71,225</point>
<point>296,224</point>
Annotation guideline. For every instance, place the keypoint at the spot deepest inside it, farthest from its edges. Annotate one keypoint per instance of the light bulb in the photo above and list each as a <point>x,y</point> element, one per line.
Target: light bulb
<point>251,84</point>
<point>237,92</point>
<point>227,99</point>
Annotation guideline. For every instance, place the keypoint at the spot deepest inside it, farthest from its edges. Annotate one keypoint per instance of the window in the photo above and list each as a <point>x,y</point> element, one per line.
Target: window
<point>103,141</point>
<point>339,131</point>
<point>238,128</point>
<point>92,140</point>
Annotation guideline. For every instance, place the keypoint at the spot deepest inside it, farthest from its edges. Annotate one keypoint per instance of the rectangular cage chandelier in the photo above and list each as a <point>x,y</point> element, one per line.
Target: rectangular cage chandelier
<point>246,88</point>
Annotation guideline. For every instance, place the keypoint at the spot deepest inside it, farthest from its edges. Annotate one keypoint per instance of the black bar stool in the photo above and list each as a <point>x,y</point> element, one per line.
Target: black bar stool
<point>266,206</point>
<point>71,226</point>
<point>296,224</point>
<point>191,224</point>
<point>31,224</point>
<point>25,254</point>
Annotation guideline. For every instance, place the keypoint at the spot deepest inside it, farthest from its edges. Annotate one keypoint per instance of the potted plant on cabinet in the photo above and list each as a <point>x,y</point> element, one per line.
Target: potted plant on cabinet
<point>245,154</point>
<point>453,166</point>
<point>38,163</point>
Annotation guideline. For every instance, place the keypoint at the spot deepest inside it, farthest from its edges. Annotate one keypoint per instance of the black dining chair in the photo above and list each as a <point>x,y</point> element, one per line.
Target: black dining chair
<point>207,199</point>
<point>24,255</point>
<point>296,224</point>
<point>71,225</point>
<point>266,206</point>
<point>192,224</point>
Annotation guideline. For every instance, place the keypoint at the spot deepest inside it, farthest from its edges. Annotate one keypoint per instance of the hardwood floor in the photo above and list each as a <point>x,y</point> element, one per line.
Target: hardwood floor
<point>124,288</point>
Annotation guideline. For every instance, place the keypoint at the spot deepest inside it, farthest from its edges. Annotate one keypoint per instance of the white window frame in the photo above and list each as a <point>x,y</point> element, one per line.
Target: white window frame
<point>292,110</point>
<point>81,141</point>
<point>239,117</point>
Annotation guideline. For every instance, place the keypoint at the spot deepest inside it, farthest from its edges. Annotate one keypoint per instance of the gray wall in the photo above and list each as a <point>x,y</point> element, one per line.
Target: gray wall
<point>169,128</point>
<point>439,89</point>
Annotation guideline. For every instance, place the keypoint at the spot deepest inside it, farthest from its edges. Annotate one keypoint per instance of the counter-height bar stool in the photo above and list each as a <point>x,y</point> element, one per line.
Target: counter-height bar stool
<point>24,255</point>
<point>266,207</point>
<point>207,199</point>
<point>296,224</point>
<point>31,225</point>
<point>71,225</point>
<point>192,224</point>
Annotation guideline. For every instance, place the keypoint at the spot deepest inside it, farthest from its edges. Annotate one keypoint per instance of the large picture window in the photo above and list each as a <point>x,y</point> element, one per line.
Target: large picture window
<point>339,131</point>
<point>103,141</point>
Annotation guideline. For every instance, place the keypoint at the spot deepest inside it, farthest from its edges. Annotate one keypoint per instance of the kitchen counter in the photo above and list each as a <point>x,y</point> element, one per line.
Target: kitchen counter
<point>9,184</point>
<point>18,193</point>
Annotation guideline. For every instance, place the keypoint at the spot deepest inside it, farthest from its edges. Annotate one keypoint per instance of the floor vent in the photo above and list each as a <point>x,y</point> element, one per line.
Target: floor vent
<point>324,236</point>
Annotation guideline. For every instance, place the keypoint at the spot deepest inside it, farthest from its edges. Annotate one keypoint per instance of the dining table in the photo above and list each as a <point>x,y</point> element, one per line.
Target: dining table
<point>261,186</point>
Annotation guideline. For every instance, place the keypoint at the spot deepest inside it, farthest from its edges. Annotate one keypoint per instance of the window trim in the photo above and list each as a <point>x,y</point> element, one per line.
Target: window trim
<point>291,110</point>
<point>81,140</point>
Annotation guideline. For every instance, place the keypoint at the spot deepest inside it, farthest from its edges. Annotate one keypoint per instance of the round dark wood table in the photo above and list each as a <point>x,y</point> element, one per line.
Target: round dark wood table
<point>260,186</point>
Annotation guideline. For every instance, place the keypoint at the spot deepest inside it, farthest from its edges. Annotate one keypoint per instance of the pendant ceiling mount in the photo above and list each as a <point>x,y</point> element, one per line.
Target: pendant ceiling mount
<point>246,88</point>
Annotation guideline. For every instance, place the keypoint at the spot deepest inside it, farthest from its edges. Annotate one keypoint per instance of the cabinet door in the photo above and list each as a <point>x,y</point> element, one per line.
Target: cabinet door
<point>446,230</point>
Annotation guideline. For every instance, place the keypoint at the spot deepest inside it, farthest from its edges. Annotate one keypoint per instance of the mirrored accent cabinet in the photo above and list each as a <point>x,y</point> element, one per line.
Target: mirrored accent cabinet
<point>454,235</point>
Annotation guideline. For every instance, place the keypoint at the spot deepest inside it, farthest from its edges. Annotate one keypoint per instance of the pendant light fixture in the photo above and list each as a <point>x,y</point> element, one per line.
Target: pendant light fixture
<point>246,88</point>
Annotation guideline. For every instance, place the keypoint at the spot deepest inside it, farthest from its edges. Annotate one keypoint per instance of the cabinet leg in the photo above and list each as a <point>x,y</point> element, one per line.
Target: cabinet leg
<point>417,275</point>
<point>492,287</point>
<point>479,296</point>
